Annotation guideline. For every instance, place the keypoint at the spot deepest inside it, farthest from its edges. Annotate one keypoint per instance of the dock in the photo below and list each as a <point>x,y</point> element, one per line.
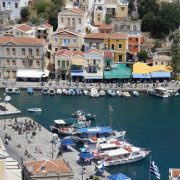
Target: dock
<point>37,144</point>
<point>8,109</point>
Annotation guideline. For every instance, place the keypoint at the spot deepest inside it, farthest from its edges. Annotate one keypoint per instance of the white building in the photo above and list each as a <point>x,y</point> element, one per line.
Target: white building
<point>24,3</point>
<point>12,7</point>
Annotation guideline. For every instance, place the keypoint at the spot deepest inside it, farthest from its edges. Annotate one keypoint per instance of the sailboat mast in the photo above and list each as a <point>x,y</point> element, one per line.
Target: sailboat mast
<point>110,119</point>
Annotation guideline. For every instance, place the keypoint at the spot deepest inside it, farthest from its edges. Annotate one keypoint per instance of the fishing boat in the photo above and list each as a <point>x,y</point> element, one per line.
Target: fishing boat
<point>59,91</point>
<point>16,90</point>
<point>30,90</point>
<point>87,115</point>
<point>35,109</point>
<point>7,98</point>
<point>135,93</point>
<point>94,134</point>
<point>44,91</point>
<point>64,127</point>
<point>160,92</point>
<point>124,155</point>
<point>9,91</point>
<point>51,91</point>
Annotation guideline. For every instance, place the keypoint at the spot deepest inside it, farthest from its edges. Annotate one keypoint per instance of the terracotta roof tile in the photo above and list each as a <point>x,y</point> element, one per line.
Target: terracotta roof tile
<point>175,172</point>
<point>105,27</point>
<point>96,36</point>
<point>46,166</point>
<point>118,36</point>
<point>60,30</point>
<point>80,53</point>
<point>108,54</point>
<point>24,28</point>
<point>64,52</point>
<point>47,25</point>
<point>94,50</point>
<point>77,10</point>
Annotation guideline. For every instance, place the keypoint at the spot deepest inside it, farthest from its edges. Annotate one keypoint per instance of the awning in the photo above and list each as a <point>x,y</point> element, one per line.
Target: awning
<point>141,76</point>
<point>117,152</point>
<point>77,74</point>
<point>93,77</point>
<point>86,155</point>
<point>68,142</point>
<point>32,73</point>
<point>160,74</point>
<point>119,176</point>
<point>95,130</point>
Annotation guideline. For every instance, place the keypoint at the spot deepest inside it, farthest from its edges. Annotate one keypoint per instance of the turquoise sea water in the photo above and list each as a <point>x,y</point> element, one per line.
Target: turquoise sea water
<point>150,122</point>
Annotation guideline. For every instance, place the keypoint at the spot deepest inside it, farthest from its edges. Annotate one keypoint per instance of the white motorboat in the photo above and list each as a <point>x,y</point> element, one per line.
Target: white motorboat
<point>16,90</point>
<point>94,92</point>
<point>44,91</point>
<point>102,93</point>
<point>160,92</point>
<point>86,92</point>
<point>7,98</point>
<point>126,94</point>
<point>30,90</point>
<point>65,91</point>
<point>111,92</point>
<point>51,91</point>
<point>72,92</point>
<point>119,93</point>
<point>35,109</point>
<point>59,91</point>
<point>124,155</point>
<point>135,93</point>
<point>9,91</point>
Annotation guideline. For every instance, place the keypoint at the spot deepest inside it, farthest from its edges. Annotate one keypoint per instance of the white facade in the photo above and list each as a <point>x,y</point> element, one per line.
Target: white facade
<point>24,3</point>
<point>12,7</point>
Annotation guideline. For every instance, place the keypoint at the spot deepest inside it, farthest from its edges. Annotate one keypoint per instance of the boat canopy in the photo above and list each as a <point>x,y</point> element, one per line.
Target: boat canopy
<point>107,145</point>
<point>67,142</point>
<point>59,121</point>
<point>86,155</point>
<point>95,130</point>
<point>117,152</point>
<point>65,121</point>
<point>119,176</point>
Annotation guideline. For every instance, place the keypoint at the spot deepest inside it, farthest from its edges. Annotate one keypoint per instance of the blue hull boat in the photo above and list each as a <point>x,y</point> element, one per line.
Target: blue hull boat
<point>30,91</point>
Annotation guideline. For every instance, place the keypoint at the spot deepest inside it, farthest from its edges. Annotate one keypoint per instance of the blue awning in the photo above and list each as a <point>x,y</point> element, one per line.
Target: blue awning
<point>86,155</point>
<point>160,74</point>
<point>68,142</point>
<point>95,130</point>
<point>141,76</point>
<point>119,176</point>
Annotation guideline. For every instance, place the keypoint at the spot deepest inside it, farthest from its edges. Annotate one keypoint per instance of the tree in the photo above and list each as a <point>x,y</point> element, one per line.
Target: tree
<point>24,13</point>
<point>131,6</point>
<point>107,19</point>
<point>142,56</point>
<point>175,52</point>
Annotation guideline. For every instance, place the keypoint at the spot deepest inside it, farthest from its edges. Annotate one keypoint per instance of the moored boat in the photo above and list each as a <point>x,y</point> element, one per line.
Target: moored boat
<point>16,90</point>
<point>102,93</point>
<point>126,94</point>
<point>35,109</point>
<point>9,91</point>
<point>94,93</point>
<point>51,91</point>
<point>111,92</point>
<point>72,92</point>
<point>86,92</point>
<point>30,90</point>
<point>59,91</point>
<point>87,115</point>
<point>135,93</point>
<point>44,91</point>
<point>160,92</point>
<point>7,98</point>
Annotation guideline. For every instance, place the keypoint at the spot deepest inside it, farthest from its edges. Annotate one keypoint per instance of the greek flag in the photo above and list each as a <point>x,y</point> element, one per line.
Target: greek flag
<point>154,169</point>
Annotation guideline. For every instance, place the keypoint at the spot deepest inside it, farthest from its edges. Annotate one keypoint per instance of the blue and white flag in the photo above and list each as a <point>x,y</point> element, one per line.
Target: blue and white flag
<point>154,169</point>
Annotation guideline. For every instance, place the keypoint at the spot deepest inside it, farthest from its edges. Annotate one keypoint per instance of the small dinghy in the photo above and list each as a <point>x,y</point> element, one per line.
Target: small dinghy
<point>86,92</point>
<point>135,93</point>
<point>126,94</point>
<point>30,90</point>
<point>7,98</point>
<point>44,91</point>
<point>9,91</point>
<point>72,92</point>
<point>35,109</point>
<point>51,91</point>
<point>16,90</point>
<point>65,91</point>
<point>59,91</point>
<point>102,93</point>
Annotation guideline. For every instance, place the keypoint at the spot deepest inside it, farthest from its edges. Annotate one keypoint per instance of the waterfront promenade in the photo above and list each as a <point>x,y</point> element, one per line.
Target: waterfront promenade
<point>24,146</point>
<point>172,85</point>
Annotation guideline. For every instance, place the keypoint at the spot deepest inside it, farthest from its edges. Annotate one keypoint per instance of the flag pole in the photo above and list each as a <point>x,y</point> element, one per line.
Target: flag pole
<point>149,168</point>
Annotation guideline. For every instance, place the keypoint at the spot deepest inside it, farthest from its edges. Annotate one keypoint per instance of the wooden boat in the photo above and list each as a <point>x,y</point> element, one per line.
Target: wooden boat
<point>35,109</point>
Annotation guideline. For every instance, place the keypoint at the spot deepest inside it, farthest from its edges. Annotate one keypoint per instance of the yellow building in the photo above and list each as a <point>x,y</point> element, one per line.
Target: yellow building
<point>117,43</point>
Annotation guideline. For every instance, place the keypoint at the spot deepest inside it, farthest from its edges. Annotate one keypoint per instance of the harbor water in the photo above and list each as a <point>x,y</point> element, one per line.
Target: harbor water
<point>150,122</point>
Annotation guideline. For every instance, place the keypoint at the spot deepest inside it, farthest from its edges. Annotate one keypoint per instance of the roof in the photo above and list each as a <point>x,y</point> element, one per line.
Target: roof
<point>21,40</point>
<point>141,68</point>
<point>64,52</point>
<point>78,53</point>
<point>60,30</point>
<point>94,50</point>
<point>161,68</point>
<point>32,73</point>
<point>95,130</point>
<point>24,28</point>
<point>174,172</point>
<point>105,27</point>
<point>107,145</point>
<point>117,152</point>
<point>77,10</point>
<point>108,55</point>
<point>96,36</point>
<point>118,71</point>
<point>47,166</point>
<point>47,25</point>
<point>118,36</point>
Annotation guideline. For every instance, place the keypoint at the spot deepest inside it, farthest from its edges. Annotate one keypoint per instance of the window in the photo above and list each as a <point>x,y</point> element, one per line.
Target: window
<point>162,63</point>
<point>8,62</point>
<point>23,52</point>
<point>13,51</point>
<point>120,58</point>
<point>156,63</point>
<point>69,23</point>
<point>58,63</point>
<point>112,46</point>
<point>136,39</point>
<point>67,63</point>
<point>55,40</point>
<point>73,21</point>
<point>98,18</point>
<point>30,52</point>
<point>105,46</point>
<point>8,52</point>
<point>17,33</point>
<point>16,5</point>
<point>63,64</point>
<point>64,42</point>
<point>4,4</point>
<point>56,49</point>
<point>74,41</point>
<point>23,63</point>
<point>38,63</point>
<point>79,20</point>
<point>122,8</point>
<point>37,52</point>
<point>13,62</point>
<point>120,46</point>
<point>62,20</point>
<point>94,62</point>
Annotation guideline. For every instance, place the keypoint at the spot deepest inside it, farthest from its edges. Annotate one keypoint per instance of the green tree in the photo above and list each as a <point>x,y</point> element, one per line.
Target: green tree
<point>142,56</point>
<point>41,6</point>
<point>24,13</point>
<point>175,52</point>
<point>131,6</point>
<point>107,19</point>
